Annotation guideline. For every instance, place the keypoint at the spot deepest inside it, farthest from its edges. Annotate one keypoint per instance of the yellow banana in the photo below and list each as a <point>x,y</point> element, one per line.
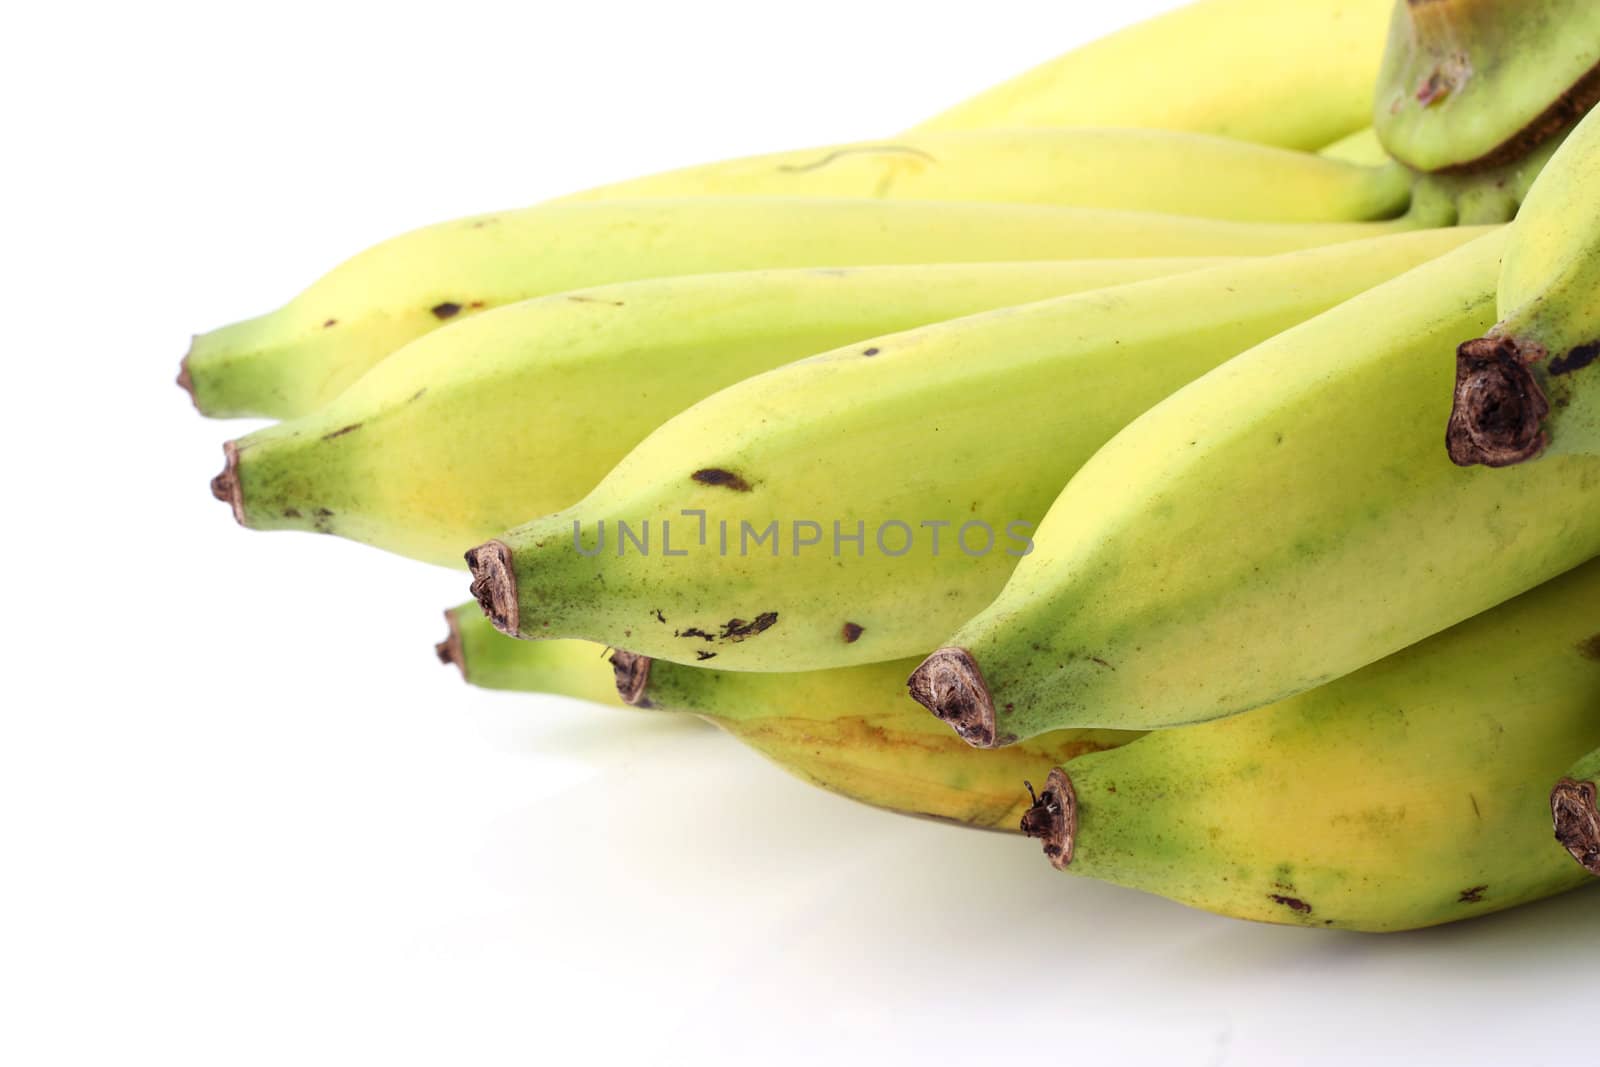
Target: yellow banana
<point>1411,793</point>
<point>1361,148</point>
<point>470,430</point>
<point>1299,75</point>
<point>850,731</point>
<point>299,357</point>
<point>1531,385</point>
<point>1123,169</point>
<point>853,507</point>
<point>1572,802</point>
<point>1282,521</point>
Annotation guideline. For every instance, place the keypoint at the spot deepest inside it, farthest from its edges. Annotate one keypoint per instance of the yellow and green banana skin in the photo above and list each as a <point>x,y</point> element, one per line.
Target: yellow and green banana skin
<point>974,421</point>
<point>473,429</point>
<point>1299,75</point>
<point>490,660</point>
<point>1122,169</point>
<point>1278,523</point>
<point>1542,358</point>
<point>1411,793</point>
<point>1575,800</point>
<point>1471,84</point>
<point>299,357</point>
<point>850,731</point>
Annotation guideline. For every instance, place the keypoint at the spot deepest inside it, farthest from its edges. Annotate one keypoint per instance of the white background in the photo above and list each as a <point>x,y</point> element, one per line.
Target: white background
<point>244,816</point>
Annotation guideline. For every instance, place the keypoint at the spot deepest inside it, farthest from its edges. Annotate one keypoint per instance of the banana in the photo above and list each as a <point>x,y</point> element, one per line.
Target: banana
<point>1408,794</point>
<point>1123,169</point>
<point>1298,75</point>
<point>1531,385</point>
<point>855,506</point>
<point>850,731</point>
<point>1468,85</point>
<point>1361,148</point>
<point>1572,802</point>
<point>1282,521</point>
<point>299,357</point>
<point>434,449</point>
<point>490,660</point>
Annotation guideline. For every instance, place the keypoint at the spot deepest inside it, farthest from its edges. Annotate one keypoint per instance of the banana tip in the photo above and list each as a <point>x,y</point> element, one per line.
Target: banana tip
<point>633,675</point>
<point>494,584</point>
<point>1053,818</point>
<point>949,684</point>
<point>449,650</point>
<point>1577,821</point>
<point>1498,405</point>
<point>225,486</point>
<point>186,383</point>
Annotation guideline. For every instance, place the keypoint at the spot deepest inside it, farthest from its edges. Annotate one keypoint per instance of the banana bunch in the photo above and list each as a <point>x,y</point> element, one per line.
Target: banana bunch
<point>1104,426</point>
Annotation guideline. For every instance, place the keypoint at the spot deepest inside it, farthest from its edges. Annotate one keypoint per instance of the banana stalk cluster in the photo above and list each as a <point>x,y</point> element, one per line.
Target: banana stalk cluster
<point>1216,459</point>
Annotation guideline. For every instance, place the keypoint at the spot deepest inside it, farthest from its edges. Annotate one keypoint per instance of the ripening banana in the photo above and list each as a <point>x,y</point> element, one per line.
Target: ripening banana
<point>295,359</point>
<point>1124,169</point>
<point>1361,148</point>
<point>1280,522</point>
<point>490,660</point>
<point>853,507</point>
<point>850,730</point>
<point>1410,793</point>
<point>1573,807</point>
<point>1299,75</point>
<point>470,430</point>
<point>1531,385</point>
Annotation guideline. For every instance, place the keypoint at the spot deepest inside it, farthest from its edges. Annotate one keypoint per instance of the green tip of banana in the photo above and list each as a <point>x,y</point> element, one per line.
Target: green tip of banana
<point>225,486</point>
<point>1577,822</point>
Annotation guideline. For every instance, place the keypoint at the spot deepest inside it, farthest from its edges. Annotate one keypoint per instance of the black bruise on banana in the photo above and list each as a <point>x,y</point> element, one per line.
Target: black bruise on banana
<point>719,477</point>
<point>851,632</point>
<point>1473,895</point>
<point>446,310</point>
<point>1294,904</point>
<point>1589,647</point>
<point>1577,359</point>
<point>734,630</point>
<point>341,431</point>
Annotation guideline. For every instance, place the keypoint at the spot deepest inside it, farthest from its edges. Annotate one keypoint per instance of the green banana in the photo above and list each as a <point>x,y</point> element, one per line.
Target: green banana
<point>1298,75</point>
<point>490,660</point>
<point>1572,802</point>
<point>299,357</point>
<point>1122,169</point>
<point>1282,521</point>
<point>1408,794</point>
<point>1474,84</point>
<point>434,449</point>
<point>850,731</point>
<point>1531,385</point>
<point>971,425</point>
